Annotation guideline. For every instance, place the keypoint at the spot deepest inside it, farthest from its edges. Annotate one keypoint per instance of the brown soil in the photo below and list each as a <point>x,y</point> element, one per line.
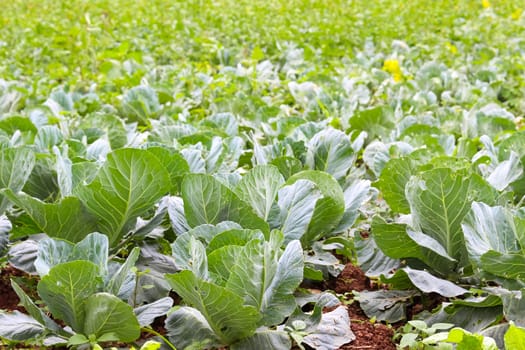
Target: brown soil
<point>8,298</point>
<point>368,335</point>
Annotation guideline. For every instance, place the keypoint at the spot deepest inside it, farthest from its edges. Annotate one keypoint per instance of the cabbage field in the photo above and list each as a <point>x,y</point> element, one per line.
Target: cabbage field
<point>262,174</point>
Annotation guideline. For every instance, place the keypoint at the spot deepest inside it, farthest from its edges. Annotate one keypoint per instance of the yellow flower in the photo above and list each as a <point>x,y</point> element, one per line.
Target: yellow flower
<point>452,48</point>
<point>485,4</point>
<point>392,66</point>
<point>516,14</point>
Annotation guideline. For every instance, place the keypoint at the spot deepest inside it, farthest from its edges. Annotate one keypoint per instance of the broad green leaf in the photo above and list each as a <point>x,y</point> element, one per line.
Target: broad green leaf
<point>297,203</point>
<point>515,338</point>
<point>176,214</point>
<point>234,237</point>
<point>264,339</point>
<point>34,311</point>
<point>42,183</point>
<point>23,254</point>
<point>118,279</point>
<point>47,137</point>
<point>376,156</point>
<point>439,200</point>
<point>392,182</point>
<point>147,313</point>
<point>332,332</point>
<point>386,305</point>
<point>140,103</point>
<point>371,259</point>
<point>376,121</point>
<point>187,328</point>
<point>127,186</point>
<point>473,319</point>
<point>52,252</point>
<point>428,283</point>
<point>267,279</point>
<point>66,288</point>
<point>513,305</point>
<point>222,260</point>
<point>399,242</point>
<point>393,240</point>
<point>224,310</point>
<point>67,219</point>
<point>17,165</point>
<point>225,122</point>
<point>19,327</point>
<point>107,314</point>
<point>287,166</point>
<point>331,151</point>
<point>490,229</point>
<point>94,248</point>
<point>355,196</point>
<point>328,210</point>
<point>207,201</point>
<point>259,188</point>
<point>174,163</point>
<point>506,172</point>
<point>508,265</point>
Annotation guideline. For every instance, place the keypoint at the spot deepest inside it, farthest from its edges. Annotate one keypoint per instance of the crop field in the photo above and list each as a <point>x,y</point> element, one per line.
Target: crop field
<point>254,175</point>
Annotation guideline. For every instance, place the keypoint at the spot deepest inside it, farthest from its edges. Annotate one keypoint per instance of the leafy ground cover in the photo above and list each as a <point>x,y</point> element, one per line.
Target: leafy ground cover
<point>262,174</point>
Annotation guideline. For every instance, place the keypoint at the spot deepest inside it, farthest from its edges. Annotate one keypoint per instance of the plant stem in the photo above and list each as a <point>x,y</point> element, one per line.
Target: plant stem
<point>154,332</point>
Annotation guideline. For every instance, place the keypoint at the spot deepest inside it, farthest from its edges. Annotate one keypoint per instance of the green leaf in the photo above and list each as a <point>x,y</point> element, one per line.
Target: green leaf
<point>17,164</point>
<point>439,200</point>
<point>207,201</point>
<point>513,306</point>
<point>140,103</point>
<point>397,241</point>
<point>51,252</point>
<point>259,188</point>
<point>267,279</point>
<point>376,121</point>
<point>234,237</point>
<point>390,237</point>
<point>67,219</point>
<point>147,313</point>
<point>224,310</point>
<point>355,196</point>
<point>490,228</point>
<point>33,310</point>
<point>297,203</point>
<point>19,327</point>
<point>504,265</point>
<point>332,332</point>
<point>328,210</point>
<point>287,166</point>
<point>117,280</point>
<point>188,329</point>
<point>506,172</point>
<point>491,235</point>
<point>331,151</point>
<point>386,305</point>
<point>127,186</point>
<point>392,183</point>
<point>515,338</point>
<point>428,283</point>
<point>105,313</point>
<point>264,339</point>
<point>174,163</point>
<point>66,288</point>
